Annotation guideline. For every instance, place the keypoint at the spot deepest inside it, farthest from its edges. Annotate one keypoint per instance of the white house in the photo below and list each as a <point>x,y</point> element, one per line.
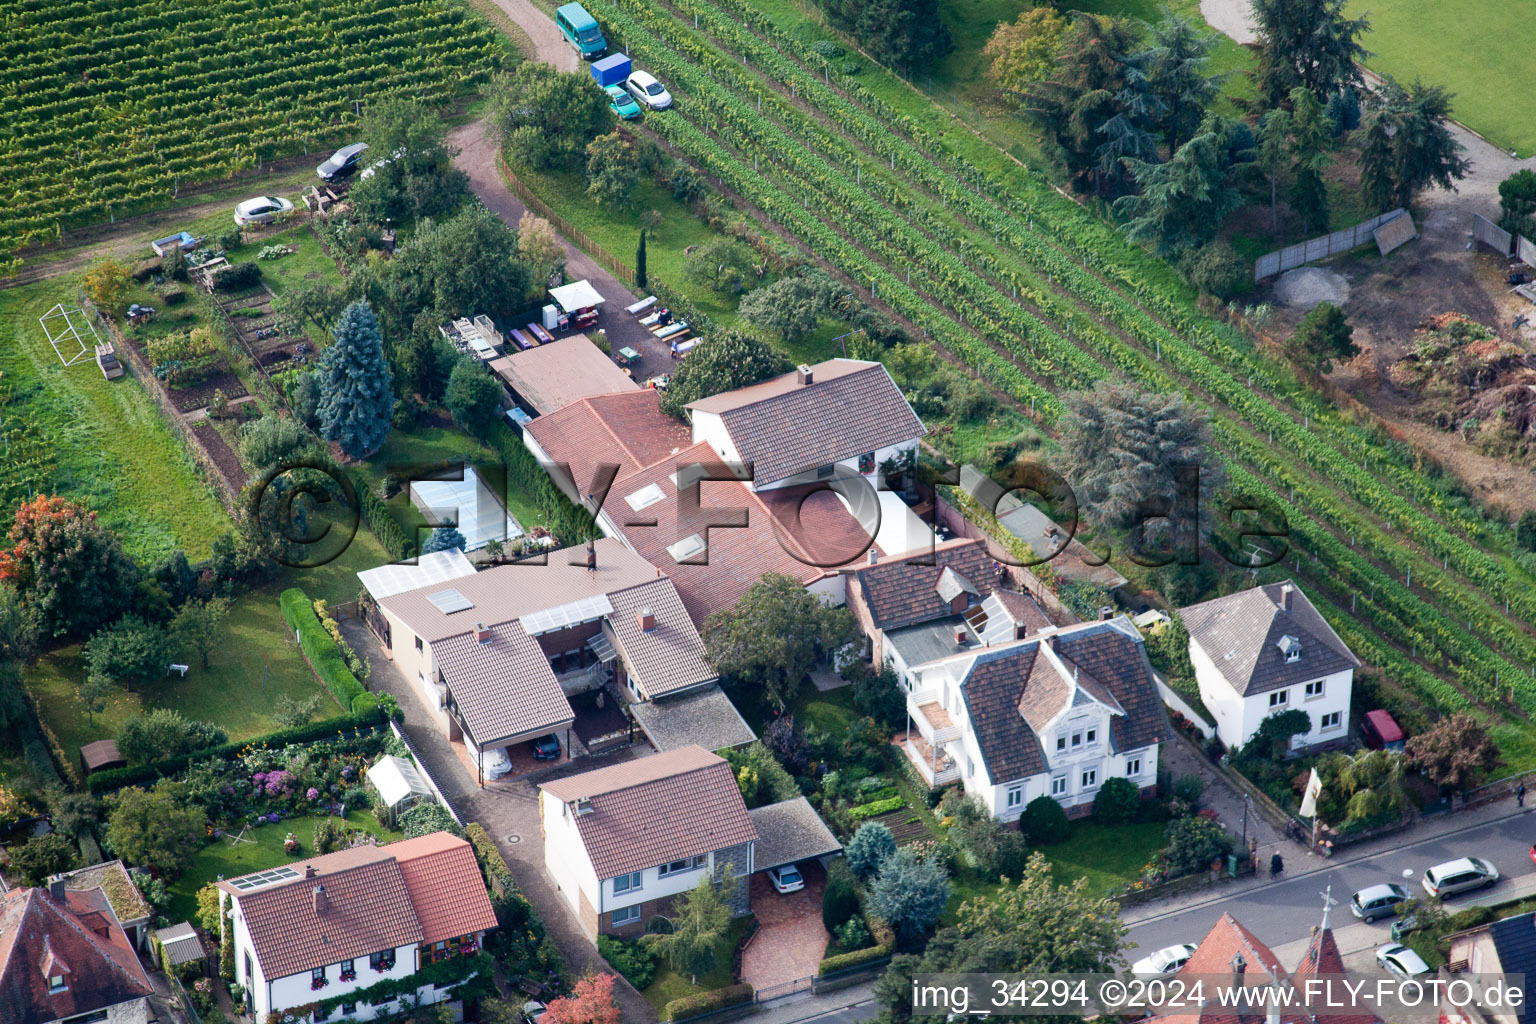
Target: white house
<point>65,958</point>
<point>311,933</point>
<point>1264,650</point>
<point>621,842</point>
<point>1054,713</point>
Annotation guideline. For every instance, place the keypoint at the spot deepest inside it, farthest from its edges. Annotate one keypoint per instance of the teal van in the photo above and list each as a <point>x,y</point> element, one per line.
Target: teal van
<point>581,31</point>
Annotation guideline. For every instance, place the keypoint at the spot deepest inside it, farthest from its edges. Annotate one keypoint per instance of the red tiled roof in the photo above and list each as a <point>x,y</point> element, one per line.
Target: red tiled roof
<point>627,428</point>
<point>678,804</point>
<point>82,939</point>
<point>369,903</point>
<point>444,883</point>
<point>1323,958</point>
<point>784,428</point>
<point>1214,959</point>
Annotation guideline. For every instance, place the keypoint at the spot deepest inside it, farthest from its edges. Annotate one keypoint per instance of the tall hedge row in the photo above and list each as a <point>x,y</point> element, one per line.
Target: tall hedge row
<point>320,648</point>
<point>116,778</point>
<point>569,522</point>
<point>383,523</point>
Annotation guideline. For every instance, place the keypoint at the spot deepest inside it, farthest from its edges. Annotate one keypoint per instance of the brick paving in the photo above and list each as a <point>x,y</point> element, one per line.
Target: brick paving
<point>790,941</point>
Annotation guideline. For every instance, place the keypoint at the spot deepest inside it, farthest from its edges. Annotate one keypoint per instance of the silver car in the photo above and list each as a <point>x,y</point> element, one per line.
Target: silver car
<point>1401,961</point>
<point>1458,876</point>
<point>262,210</point>
<point>1377,901</point>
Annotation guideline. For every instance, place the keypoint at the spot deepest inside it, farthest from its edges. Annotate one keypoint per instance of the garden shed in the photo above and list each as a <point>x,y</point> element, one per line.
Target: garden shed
<point>181,944</point>
<point>398,784</point>
<point>101,755</point>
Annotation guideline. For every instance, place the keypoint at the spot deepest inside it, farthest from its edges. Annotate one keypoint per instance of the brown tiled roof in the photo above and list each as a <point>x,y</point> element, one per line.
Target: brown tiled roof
<point>783,428</point>
<point>737,556</point>
<point>661,808</point>
<point>550,377</point>
<point>84,942</point>
<point>903,591</point>
<point>367,910</point>
<point>503,688</point>
<point>1023,610</point>
<point>1012,692</point>
<point>377,897</point>
<point>443,880</point>
<point>669,657</point>
<point>627,429</point>
<point>504,593</point>
<point>1322,959</point>
<point>1241,634</point>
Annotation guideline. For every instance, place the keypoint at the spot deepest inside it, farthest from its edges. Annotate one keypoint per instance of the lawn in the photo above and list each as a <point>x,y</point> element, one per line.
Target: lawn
<point>1482,51</point>
<point>669,985</point>
<point>114,450</point>
<point>221,859</point>
<point>831,712</point>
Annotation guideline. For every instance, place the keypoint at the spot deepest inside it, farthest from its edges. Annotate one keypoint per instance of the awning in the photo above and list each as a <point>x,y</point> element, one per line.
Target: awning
<point>574,296</point>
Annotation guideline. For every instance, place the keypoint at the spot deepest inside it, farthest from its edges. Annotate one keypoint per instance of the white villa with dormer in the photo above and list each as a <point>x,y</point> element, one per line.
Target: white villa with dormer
<point>1266,650</point>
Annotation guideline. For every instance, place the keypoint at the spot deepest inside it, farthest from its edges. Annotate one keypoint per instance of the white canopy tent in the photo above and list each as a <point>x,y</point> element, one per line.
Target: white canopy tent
<point>398,782</point>
<point>574,296</point>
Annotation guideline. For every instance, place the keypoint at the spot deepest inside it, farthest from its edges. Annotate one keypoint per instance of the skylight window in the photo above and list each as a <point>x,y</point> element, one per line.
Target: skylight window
<point>645,497</point>
<point>450,601</point>
<point>689,547</point>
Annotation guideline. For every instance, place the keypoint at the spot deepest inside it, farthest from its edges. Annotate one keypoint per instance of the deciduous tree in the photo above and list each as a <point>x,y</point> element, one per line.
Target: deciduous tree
<point>545,118</point>
<point>199,626</point>
<point>130,651</point>
<point>154,828</point>
<point>69,571</point>
<point>357,401</point>
<point>723,361</point>
<point>770,639</point>
<point>724,264</point>
<point>274,441</point>
<point>164,733</point>
<point>1023,51</point>
<point>613,170</point>
<point>41,857</point>
<point>906,34</point>
<point>93,694</point>
<point>106,284</point>
<point>473,397</point>
<point>540,248</point>
<point>1045,926</point>
<point>1517,203</point>
<point>792,305</point>
<point>1455,753</point>
<point>590,1002</point>
<point>1194,843</point>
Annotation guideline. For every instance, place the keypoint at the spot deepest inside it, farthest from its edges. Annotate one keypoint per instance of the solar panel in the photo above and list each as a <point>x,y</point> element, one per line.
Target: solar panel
<point>260,879</point>
<point>450,601</point>
<point>561,616</point>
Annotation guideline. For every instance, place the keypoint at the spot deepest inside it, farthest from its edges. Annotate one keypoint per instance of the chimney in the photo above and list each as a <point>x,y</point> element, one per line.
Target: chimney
<point>1272,1014</point>
<point>804,375</point>
<point>1285,595</point>
<point>1107,612</point>
<point>482,633</point>
<point>322,902</point>
<point>1020,630</point>
<point>959,635</point>
<point>647,618</point>
<point>1238,966</point>
<point>874,556</point>
<point>56,889</point>
<point>309,871</point>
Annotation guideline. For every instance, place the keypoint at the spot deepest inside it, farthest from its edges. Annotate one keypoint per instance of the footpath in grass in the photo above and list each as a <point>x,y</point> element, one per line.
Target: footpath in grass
<point>222,858</point>
<point>115,452</point>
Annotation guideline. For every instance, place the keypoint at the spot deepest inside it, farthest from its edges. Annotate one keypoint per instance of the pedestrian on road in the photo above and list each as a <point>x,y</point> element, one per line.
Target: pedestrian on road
<point>1276,865</point>
<point>1520,795</point>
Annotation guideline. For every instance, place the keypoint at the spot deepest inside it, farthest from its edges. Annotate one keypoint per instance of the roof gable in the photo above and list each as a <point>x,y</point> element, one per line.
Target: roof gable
<point>627,429</point>
<point>1244,635</point>
<point>80,939</point>
<point>904,591</point>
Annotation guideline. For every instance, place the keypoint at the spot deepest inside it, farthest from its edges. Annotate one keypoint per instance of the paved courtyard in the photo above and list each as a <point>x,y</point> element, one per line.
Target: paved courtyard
<point>783,955</point>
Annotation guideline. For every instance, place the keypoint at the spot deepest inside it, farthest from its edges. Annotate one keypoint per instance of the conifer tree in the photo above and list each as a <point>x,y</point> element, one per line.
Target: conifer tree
<point>356,393</point>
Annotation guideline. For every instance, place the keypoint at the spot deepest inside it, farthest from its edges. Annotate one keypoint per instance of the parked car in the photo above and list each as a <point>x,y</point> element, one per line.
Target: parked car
<point>648,91</point>
<point>1164,961</point>
<point>533,1010</point>
<point>1458,876</point>
<point>383,162</point>
<point>1380,731</point>
<point>787,878</point>
<point>495,763</point>
<point>546,748</point>
<point>343,162</point>
<point>581,30</point>
<point>622,103</point>
<point>262,210</point>
<point>1377,901</point>
<point>1401,961</point>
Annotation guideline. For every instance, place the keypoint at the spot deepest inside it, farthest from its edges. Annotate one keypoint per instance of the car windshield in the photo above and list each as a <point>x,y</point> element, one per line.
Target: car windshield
<point>590,34</point>
<point>654,89</point>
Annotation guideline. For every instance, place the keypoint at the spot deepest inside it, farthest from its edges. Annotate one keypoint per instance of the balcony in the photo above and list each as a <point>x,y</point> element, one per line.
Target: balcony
<point>931,718</point>
<point>933,764</point>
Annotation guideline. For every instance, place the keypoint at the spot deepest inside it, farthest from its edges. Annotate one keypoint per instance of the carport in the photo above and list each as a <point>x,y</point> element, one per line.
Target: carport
<point>790,832</point>
<point>783,954</point>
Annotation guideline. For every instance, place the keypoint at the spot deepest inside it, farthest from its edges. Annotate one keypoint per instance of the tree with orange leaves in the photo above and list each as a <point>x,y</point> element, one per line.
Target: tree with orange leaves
<point>68,569</point>
<point>590,1002</point>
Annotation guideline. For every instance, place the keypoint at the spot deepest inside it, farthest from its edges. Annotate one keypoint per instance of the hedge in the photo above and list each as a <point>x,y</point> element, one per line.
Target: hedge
<point>116,778</point>
<point>848,961</point>
<point>569,522</point>
<point>319,647</point>
<point>492,864</point>
<point>706,1002</point>
<point>380,520</point>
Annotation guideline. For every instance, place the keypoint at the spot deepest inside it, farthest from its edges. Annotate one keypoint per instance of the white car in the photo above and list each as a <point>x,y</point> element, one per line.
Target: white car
<point>533,1010</point>
<point>368,171</point>
<point>262,210</point>
<point>1164,961</point>
<point>495,763</point>
<point>1401,961</point>
<point>648,91</point>
<point>1458,876</point>
<point>787,878</point>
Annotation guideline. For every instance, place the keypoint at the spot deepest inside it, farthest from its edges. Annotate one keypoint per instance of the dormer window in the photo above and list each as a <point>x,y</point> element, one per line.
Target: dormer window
<point>57,984</point>
<point>1290,648</point>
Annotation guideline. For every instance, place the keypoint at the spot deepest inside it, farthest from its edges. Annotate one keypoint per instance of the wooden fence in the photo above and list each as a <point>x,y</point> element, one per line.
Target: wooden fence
<point>617,267</point>
<point>1321,247</point>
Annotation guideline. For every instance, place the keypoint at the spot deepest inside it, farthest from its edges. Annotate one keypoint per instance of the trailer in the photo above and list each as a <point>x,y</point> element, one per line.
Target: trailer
<point>181,239</point>
<point>611,70</point>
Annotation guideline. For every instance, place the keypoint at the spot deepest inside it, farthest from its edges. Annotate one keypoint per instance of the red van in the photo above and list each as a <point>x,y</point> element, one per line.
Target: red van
<point>1379,731</point>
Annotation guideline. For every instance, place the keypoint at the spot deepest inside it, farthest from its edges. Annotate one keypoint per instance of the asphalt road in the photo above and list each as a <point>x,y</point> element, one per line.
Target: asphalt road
<point>1284,910</point>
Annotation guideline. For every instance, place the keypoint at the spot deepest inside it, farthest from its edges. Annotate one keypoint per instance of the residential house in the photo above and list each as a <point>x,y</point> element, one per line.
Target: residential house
<point>1014,714</point>
<point>676,503</point>
<point>1265,650</point>
<point>498,654</point>
<point>1505,947</point>
<point>65,958</point>
<point>339,924</point>
<point>112,880</point>
<point>1232,956</point>
<point>622,842</point>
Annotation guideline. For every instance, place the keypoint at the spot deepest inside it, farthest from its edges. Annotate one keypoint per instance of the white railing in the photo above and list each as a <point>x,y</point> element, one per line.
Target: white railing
<point>932,733</point>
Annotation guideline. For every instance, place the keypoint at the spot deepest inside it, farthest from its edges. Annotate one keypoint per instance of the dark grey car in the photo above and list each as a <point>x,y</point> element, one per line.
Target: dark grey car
<point>343,162</point>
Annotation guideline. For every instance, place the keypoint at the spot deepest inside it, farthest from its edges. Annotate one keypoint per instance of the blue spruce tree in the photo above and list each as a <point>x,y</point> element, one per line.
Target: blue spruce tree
<point>356,396</point>
<point>443,538</point>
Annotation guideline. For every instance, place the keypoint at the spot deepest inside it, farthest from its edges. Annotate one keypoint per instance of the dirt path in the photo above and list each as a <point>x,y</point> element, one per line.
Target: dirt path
<point>549,45</point>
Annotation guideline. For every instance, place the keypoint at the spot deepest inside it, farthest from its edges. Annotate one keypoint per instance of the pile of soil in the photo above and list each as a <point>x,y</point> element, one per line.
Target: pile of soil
<point>1305,287</point>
